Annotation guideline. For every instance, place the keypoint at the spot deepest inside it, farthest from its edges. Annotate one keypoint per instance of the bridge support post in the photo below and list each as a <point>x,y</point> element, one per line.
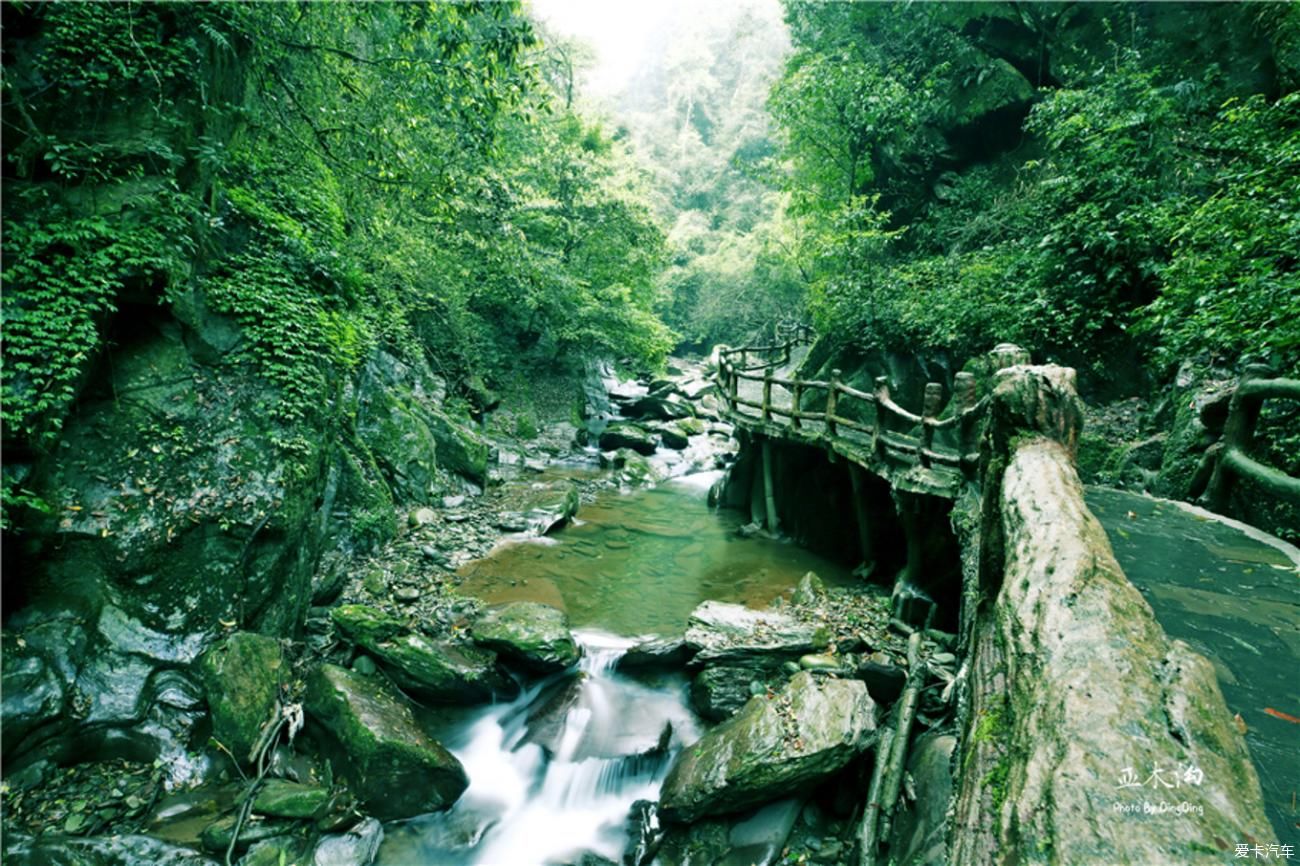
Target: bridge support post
<point>860,514</point>
<point>769,489</point>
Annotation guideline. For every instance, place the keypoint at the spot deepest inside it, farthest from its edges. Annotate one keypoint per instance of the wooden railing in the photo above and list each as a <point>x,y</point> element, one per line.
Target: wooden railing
<point>892,434</point>
<point>1229,459</point>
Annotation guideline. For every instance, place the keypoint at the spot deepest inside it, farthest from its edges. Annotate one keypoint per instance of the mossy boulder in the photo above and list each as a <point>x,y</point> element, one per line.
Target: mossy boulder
<point>536,636</point>
<point>241,676</point>
<point>387,761</point>
<point>632,436</point>
<point>439,671</point>
<point>771,748</point>
<point>284,799</point>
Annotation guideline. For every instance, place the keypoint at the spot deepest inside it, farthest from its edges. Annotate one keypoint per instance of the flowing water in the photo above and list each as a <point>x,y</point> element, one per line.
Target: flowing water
<point>556,772</point>
<point>1233,594</point>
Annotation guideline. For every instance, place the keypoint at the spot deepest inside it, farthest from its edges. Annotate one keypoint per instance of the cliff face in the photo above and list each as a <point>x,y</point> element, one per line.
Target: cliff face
<point>171,471</point>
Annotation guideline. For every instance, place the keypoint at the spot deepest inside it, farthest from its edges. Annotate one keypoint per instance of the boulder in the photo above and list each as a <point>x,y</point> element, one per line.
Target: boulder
<point>241,676</point>
<point>32,695</point>
<point>1080,704</point>
<point>534,635</point>
<point>284,799</point>
<point>810,589</point>
<point>391,765</point>
<point>357,847</point>
<point>771,748</point>
<point>672,437</point>
<point>655,654</point>
<point>920,833</point>
<point>663,406</point>
<point>121,850</point>
<point>438,671</point>
<point>541,508</point>
<point>740,652</point>
<point>721,630</point>
<point>618,436</point>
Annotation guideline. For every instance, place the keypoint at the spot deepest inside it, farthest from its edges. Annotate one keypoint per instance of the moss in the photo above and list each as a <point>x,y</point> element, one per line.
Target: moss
<point>1098,458</point>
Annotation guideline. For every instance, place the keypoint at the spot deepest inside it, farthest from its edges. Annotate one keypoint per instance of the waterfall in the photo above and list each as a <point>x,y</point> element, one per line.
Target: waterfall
<point>555,772</point>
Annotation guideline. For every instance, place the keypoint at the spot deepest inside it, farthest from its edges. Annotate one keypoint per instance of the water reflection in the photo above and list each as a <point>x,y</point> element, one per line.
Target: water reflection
<point>641,562</point>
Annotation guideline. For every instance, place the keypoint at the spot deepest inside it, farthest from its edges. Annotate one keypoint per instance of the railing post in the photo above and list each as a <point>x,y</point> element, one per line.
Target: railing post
<point>832,397</point>
<point>767,395</point>
<point>796,396</point>
<point>929,409</point>
<point>878,429</point>
<point>732,384</point>
<point>1238,432</point>
<point>963,402</point>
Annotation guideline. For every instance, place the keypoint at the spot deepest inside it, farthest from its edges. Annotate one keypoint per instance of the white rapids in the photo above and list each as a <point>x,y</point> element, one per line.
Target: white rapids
<point>555,772</point>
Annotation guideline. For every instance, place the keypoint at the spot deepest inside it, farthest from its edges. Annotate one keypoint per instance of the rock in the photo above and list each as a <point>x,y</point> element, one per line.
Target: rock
<point>657,654</point>
<point>673,437</point>
<point>284,799</point>
<point>1038,757</point>
<point>810,589</point>
<point>771,748</point>
<point>122,850</point>
<point>720,630</point>
<point>357,847</point>
<point>532,634</point>
<point>753,838</point>
<point>453,501</point>
<point>920,833</point>
<point>742,651</point>
<point>662,406</point>
<point>437,671</point>
<point>32,696</point>
<point>392,766</point>
<point>644,833</point>
<point>406,594</point>
<point>541,508</point>
<point>618,436</point>
<point>884,681</point>
<point>276,851</point>
<point>216,836</point>
<point>424,516</point>
<point>241,676</point>
<point>821,663</point>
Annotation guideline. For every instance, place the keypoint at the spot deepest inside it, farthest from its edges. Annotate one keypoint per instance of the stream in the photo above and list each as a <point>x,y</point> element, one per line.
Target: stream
<point>556,772</point>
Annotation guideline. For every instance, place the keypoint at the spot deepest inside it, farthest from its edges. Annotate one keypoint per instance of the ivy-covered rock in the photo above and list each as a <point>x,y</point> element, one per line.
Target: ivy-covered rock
<point>528,633</point>
<point>771,748</point>
<point>386,760</point>
<point>241,676</point>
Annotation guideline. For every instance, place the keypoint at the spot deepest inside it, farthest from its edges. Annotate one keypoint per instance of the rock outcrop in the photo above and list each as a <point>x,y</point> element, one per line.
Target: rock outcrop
<point>1090,735</point>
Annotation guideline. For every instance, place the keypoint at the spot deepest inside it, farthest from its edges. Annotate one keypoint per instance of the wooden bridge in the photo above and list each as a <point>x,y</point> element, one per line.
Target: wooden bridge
<point>936,451</point>
<point>933,452</point>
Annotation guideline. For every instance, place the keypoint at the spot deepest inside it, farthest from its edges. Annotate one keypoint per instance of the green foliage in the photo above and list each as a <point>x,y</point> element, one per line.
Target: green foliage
<point>1134,212</point>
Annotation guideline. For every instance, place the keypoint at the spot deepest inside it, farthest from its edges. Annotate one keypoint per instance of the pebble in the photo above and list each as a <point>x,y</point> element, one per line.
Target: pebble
<point>406,594</point>
<point>364,665</point>
<point>453,501</point>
